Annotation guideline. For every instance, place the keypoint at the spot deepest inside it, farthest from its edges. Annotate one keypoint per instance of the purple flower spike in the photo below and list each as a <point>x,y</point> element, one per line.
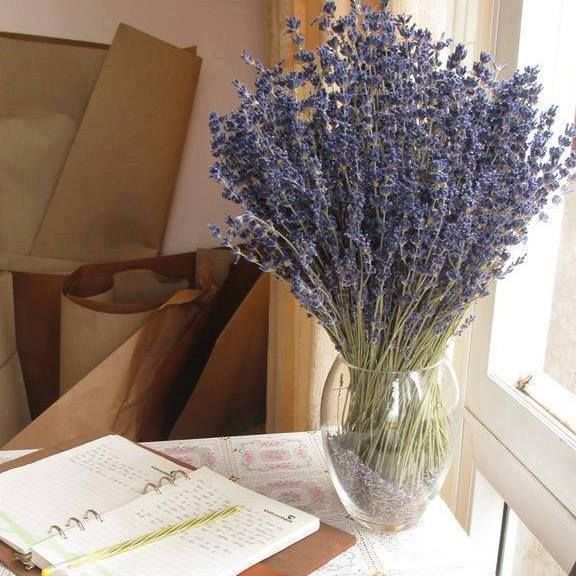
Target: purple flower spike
<point>386,183</point>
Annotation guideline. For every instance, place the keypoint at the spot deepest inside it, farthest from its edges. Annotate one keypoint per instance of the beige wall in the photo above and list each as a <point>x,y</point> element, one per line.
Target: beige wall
<point>220,28</point>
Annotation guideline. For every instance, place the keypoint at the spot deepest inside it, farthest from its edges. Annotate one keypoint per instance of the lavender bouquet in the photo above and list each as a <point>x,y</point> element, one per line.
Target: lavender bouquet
<point>387,183</point>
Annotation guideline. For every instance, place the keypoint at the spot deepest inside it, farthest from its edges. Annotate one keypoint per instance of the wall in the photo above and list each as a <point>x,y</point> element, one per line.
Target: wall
<point>220,28</point>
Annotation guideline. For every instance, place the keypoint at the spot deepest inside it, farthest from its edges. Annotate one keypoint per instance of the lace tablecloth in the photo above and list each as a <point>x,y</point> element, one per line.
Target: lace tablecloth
<point>291,468</point>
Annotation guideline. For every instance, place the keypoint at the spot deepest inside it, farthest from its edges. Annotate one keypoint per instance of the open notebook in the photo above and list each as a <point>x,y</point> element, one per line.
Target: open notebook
<point>67,512</point>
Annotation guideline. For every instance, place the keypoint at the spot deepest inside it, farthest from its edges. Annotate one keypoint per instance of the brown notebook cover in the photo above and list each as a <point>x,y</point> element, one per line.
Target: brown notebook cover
<point>300,559</point>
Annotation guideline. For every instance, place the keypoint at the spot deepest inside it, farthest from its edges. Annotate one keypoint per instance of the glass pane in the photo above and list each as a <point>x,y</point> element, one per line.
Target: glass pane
<point>486,521</point>
<point>534,332</point>
<point>521,553</point>
<point>560,360</point>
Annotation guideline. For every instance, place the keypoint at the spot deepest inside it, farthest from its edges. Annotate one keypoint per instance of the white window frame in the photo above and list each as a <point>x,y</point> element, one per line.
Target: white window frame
<point>527,456</point>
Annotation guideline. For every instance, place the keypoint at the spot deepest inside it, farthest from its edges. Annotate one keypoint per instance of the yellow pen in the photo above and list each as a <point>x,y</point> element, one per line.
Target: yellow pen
<point>143,540</point>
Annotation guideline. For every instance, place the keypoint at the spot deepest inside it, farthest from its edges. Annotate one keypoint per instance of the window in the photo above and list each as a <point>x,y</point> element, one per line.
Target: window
<point>520,370</point>
<point>508,547</point>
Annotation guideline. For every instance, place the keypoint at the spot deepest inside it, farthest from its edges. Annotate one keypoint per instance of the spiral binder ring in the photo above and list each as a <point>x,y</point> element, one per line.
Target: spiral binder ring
<point>152,486</point>
<point>92,513</point>
<point>57,528</point>
<point>25,559</point>
<point>73,520</point>
<point>175,473</point>
<point>168,479</point>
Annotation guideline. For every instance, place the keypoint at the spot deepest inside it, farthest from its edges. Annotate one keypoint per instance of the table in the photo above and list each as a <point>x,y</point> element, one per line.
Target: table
<point>291,468</point>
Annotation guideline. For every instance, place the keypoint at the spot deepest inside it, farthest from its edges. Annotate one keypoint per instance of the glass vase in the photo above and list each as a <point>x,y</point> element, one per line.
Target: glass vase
<point>388,439</point>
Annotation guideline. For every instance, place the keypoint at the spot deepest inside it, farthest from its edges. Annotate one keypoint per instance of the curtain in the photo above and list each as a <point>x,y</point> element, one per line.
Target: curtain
<point>300,352</point>
<point>299,357</point>
<point>433,14</point>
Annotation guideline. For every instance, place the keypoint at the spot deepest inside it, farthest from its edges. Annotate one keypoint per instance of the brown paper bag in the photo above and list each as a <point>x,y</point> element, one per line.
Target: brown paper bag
<point>14,413</point>
<point>37,326</point>
<point>104,128</point>
<point>36,74</point>
<point>113,196</point>
<point>37,302</point>
<point>230,395</point>
<point>127,392</point>
<point>100,313</point>
<point>216,338</point>
<point>33,147</point>
<point>41,106</point>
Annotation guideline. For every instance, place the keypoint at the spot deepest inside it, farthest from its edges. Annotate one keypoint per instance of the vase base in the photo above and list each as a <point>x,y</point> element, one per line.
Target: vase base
<point>385,528</point>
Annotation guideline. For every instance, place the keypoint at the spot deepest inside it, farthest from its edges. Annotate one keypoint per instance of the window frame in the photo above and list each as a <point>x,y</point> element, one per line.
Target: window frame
<point>527,456</point>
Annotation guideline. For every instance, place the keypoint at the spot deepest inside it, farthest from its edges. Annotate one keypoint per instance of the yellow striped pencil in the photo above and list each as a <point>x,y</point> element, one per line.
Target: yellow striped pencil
<point>143,540</point>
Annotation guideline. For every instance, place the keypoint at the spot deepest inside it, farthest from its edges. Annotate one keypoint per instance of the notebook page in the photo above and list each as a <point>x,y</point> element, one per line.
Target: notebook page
<point>224,547</point>
<point>100,475</point>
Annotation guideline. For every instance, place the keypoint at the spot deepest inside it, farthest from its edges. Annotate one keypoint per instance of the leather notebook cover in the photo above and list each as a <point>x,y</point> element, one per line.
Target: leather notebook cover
<point>300,559</point>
